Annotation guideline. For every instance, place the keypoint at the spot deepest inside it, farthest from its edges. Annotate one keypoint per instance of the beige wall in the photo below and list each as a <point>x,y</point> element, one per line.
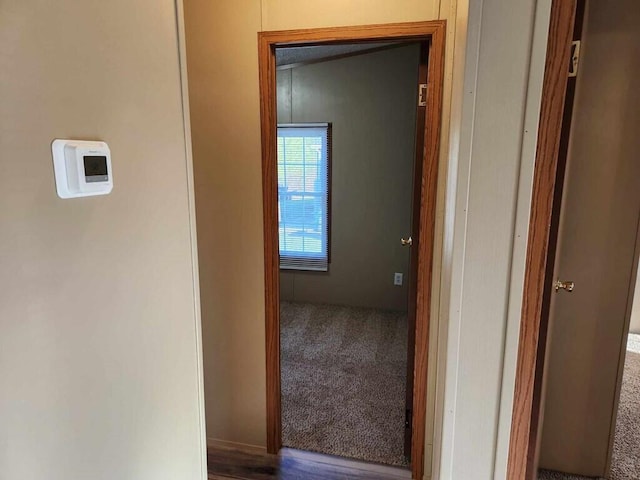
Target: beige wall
<point>484,195</point>
<point>223,83</point>
<point>98,325</point>
<point>225,119</point>
<point>596,247</point>
<point>487,169</point>
<point>372,165</point>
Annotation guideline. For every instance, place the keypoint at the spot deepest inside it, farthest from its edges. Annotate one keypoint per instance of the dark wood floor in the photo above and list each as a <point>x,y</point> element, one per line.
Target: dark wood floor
<point>226,463</point>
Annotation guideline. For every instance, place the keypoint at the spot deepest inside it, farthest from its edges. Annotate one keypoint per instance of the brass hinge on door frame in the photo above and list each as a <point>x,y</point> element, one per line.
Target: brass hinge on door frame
<point>422,95</point>
<point>575,58</point>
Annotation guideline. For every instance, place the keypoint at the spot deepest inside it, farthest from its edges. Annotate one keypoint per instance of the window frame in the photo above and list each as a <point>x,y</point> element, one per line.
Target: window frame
<point>329,154</point>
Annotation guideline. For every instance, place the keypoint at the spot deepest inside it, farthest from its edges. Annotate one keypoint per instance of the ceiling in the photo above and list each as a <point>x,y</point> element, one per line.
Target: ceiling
<point>289,56</point>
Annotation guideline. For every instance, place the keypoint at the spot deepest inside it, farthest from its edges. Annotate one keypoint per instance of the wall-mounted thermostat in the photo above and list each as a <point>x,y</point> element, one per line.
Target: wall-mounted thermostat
<point>81,168</point>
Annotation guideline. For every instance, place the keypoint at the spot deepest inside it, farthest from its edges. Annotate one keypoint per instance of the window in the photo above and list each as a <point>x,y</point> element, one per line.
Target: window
<point>304,155</point>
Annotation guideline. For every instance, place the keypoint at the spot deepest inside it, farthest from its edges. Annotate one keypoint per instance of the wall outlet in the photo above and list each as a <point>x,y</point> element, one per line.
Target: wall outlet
<point>397,278</point>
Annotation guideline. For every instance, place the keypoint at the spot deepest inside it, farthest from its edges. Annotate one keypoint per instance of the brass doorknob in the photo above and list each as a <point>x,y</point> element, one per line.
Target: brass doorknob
<point>567,285</point>
<point>406,242</point>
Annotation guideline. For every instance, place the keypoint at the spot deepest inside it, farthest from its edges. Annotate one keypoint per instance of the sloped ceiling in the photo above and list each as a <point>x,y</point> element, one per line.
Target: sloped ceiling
<point>287,56</point>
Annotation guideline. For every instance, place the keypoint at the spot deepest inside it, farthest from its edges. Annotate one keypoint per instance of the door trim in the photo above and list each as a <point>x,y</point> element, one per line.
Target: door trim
<point>533,323</point>
<point>434,33</point>
<point>412,277</point>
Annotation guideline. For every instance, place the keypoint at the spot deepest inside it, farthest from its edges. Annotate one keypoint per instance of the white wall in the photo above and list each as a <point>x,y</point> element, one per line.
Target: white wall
<point>98,316</point>
<point>494,115</point>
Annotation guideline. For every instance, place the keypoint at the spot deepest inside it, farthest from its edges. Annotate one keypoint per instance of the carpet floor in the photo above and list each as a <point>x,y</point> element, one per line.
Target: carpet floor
<point>625,464</point>
<point>343,375</point>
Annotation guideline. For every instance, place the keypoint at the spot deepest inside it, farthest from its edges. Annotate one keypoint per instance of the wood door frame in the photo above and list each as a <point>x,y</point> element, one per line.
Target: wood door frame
<point>412,277</point>
<point>547,189</point>
<point>434,33</point>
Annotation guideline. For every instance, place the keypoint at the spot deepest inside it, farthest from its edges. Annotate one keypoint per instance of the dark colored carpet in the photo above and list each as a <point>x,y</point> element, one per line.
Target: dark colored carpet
<point>343,381</point>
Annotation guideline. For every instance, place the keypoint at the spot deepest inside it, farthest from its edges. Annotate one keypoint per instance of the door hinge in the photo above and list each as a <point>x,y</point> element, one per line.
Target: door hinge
<point>575,58</point>
<point>407,418</point>
<point>422,95</point>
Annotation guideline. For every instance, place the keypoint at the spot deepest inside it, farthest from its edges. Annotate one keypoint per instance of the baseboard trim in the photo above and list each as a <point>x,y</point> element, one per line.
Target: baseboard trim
<point>245,447</point>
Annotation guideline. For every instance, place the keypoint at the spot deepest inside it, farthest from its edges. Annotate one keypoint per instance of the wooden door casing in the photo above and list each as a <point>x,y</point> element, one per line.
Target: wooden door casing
<point>414,260</point>
<point>432,32</point>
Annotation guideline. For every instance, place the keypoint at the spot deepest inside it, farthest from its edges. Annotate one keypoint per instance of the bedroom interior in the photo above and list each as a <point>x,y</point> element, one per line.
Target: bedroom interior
<point>343,323</point>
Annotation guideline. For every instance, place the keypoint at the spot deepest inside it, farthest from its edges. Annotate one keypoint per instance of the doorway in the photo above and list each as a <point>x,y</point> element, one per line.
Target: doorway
<point>345,271</point>
<point>577,388</point>
<point>302,252</point>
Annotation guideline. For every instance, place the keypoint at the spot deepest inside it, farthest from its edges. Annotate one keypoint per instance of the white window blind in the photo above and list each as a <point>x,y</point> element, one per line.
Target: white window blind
<point>303,195</point>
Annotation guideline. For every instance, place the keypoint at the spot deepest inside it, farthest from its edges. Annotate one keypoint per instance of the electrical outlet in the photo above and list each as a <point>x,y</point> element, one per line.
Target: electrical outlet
<point>397,279</point>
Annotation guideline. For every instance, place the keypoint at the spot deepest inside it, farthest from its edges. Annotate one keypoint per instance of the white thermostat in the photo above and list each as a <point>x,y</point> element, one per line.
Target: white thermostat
<point>82,168</point>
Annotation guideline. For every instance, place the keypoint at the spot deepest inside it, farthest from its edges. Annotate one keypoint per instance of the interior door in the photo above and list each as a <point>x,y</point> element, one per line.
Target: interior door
<point>595,249</point>
<point>412,242</point>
